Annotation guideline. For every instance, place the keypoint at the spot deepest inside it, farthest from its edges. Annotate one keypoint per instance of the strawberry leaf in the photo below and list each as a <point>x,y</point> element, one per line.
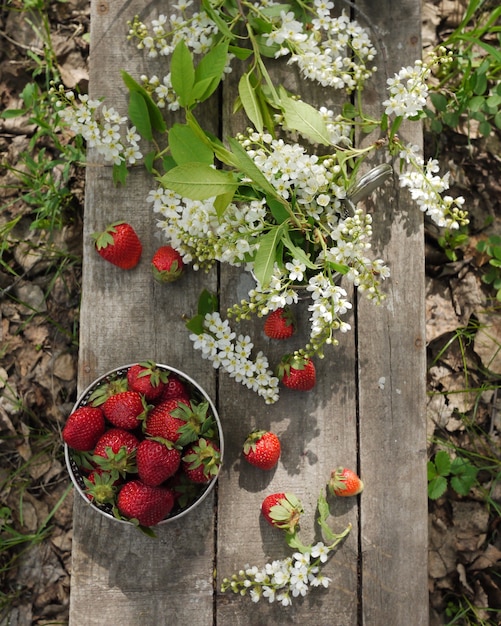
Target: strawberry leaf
<point>437,487</point>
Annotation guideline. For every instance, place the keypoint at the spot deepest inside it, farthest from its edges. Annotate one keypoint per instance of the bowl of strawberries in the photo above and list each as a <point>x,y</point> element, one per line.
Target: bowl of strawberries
<point>143,444</point>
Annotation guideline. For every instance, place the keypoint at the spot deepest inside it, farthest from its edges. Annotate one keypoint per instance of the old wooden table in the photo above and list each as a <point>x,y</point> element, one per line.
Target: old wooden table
<point>367,411</point>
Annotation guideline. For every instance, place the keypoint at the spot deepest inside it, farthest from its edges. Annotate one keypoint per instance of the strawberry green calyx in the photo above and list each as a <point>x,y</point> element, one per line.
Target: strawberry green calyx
<point>106,390</point>
<point>198,422</point>
<point>202,461</point>
<point>156,374</point>
<point>344,482</point>
<point>122,462</point>
<point>101,487</point>
<point>283,511</point>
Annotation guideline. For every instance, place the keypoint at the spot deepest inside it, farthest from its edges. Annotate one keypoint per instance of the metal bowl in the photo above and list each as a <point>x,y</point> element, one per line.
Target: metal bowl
<point>196,393</point>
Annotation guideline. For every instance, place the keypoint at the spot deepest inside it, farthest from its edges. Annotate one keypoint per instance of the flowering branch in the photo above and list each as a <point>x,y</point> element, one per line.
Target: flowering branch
<point>291,577</point>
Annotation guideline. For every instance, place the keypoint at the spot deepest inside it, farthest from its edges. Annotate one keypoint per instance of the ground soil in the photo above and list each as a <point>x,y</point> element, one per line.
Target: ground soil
<point>39,308</point>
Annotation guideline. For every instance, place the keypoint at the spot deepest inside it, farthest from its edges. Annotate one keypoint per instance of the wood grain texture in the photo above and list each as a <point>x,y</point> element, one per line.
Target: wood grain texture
<point>352,418</point>
<point>391,358</point>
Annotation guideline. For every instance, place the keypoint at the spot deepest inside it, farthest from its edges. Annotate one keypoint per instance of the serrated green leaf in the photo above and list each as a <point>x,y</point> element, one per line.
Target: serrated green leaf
<point>266,254</point>
<point>443,463</point>
<point>464,478</point>
<point>198,181</point>
<point>431,470</point>
<point>186,146</point>
<point>250,102</point>
<point>139,116</point>
<point>437,487</point>
<point>304,118</point>
<point>183,74</point>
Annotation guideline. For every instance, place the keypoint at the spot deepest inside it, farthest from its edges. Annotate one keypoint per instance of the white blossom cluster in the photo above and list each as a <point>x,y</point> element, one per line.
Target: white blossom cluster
<point>426,188</point>
<point>232,353</point>
<point>102,127</point>
<point>282,580</point>
<point>352,238</point>
<point>408,91</point>
<point>160,39</point>
<point>335,52</point>
<point>316,185</point>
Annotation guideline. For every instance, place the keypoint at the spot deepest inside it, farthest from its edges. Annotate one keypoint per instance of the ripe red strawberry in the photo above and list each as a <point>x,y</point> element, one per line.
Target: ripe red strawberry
<point>116,450</point>
<point>282,510</point>
<point>148,379</point>
<point>262,449</point>
<point>83,428</point>
<point>202,461</point>
<point>157,460</point>
<point>174,388</point>
<point>167,264</point>
<point>297,372</point>
<point>280,324</point>
<point>144,503</point>
<point>125,409</point>
<point>345,482</point>
<point>119,244</point>
<point>162,423</point>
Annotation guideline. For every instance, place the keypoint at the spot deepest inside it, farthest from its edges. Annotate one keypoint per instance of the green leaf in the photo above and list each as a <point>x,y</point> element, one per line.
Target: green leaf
<point>139,116</point>
<point>207,302</point>
<point>323,515</point>
<point>443,463</point>
<point>209,71</point>
<point>266,254</point>
<point>120,173</point>
<point>297,253</point>
<point>149,160</point>
<point>183,74</point>
<point>10,113</point>
<point>198,181</point>
<point>304,118</point>
<point>439,101</point>
<point>464,476</point>
<point>485,128</point>
<point>278,210</point>
<point>186,146</point>
<point>242,161</point>
<point>431,470</point>
<point>437,487</point>
<point>222,201</point>
<point>155,115</point>
<point>250,102</point>
<point>196,324</point>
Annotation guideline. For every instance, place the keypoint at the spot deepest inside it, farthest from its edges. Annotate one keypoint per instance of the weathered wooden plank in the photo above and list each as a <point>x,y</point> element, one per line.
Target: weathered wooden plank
<point>392,371</point>
<point>127,317</point>
<point>318,431</point>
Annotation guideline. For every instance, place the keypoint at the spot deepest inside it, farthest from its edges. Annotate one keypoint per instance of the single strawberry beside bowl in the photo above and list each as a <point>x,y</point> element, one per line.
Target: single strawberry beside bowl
<point>262,449</point>
<point>345,482</point>
<point>119,244</point>
<point>146,471</point>
<point>167,264</point>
